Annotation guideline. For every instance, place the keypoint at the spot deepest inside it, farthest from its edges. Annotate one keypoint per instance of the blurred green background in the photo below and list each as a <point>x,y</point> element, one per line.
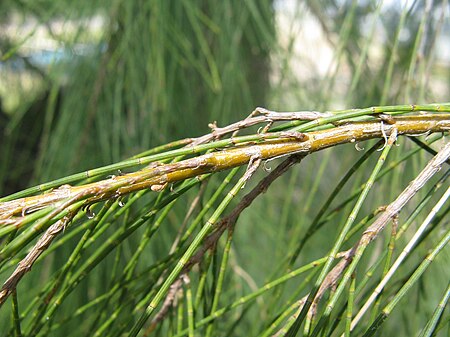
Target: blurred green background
<point>88,83</point>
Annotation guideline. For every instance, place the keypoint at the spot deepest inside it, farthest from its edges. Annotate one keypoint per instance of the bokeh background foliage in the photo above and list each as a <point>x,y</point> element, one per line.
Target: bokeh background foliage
<point>116,78</point>
<point>154,70</point>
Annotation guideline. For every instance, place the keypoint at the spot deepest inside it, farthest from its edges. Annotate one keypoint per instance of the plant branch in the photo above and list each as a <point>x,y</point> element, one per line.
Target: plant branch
<point>25,264</point>
<point>227,222</point>
<point>351,257</point>
<point>159,175</point>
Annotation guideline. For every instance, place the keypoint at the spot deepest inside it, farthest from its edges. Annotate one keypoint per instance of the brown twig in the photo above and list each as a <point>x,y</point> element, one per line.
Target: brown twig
<point>227,222</point>
<point>390,213</point>
<point>258,116</point>
<point>26,263</point>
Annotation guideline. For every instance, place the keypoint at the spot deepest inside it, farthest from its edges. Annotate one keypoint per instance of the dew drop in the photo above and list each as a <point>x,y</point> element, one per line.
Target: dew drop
<point>266,168</point>
<point>121,203</point>
<point>89,213</point>
<point>31,209</point>
<point>358,148</point>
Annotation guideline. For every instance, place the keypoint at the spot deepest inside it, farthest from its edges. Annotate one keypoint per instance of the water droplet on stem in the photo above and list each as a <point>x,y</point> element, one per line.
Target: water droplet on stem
<point>89,213</point>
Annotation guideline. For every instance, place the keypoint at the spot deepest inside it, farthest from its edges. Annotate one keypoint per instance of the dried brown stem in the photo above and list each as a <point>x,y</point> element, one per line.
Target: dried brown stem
<point>227,222</point>
<point>390,213</point>
<point>26,263</point>
<point>265,116</point>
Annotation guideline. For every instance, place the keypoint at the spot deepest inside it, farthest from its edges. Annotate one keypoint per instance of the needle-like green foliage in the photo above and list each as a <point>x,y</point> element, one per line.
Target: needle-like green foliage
<point>142,193</point>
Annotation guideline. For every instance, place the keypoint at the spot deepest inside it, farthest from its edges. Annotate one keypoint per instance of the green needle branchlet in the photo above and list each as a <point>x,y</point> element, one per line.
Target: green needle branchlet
<point>407,286</point>
<point>193,247</point>
<point>391,211</point>
<point>43,213</point>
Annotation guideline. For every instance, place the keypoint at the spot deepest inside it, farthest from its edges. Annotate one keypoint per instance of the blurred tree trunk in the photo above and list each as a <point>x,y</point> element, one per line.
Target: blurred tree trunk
<point>162,70</point>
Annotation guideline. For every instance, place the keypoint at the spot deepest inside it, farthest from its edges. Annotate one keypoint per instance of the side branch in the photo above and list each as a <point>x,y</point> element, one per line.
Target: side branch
<point>227,222</point>
<point>348,264</point>
<point>391,211</point>
<point>25,264</point>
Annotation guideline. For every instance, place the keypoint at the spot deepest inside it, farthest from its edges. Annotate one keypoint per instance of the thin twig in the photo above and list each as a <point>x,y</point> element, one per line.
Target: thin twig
<point>227,222</point>
<point>265,116</point>
<point>401,257</point>
<point>26,263</point>
<point>391,211</point>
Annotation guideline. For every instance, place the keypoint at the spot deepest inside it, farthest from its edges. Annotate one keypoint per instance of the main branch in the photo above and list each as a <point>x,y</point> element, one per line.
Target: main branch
<point>158,176</point>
